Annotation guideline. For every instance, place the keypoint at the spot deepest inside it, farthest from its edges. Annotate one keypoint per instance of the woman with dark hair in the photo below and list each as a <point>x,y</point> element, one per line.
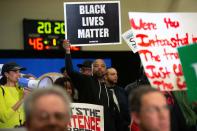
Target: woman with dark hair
<point>11,96</point>
<point>66,84</point>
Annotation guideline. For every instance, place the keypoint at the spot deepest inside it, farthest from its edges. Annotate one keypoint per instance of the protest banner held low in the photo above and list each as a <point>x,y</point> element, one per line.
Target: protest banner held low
<point>86,117</point>
<point>92,23</point>
<point>157,36</point>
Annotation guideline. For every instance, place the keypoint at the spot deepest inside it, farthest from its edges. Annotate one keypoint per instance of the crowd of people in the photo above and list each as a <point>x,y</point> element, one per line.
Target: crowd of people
<point>138,107</point>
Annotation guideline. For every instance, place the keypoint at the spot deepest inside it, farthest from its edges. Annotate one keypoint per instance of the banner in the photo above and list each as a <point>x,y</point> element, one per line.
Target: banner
<point>92,23</point>
<point>157,36</point>
<point>188,56</point>
<point>86,117</point>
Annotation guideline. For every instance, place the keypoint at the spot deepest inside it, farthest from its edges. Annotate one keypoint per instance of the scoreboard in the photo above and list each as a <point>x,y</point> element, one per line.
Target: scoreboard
<point>44,34</point>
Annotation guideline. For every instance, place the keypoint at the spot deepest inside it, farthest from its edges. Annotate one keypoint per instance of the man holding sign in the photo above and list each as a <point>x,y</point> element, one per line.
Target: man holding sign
<point>93,90</point>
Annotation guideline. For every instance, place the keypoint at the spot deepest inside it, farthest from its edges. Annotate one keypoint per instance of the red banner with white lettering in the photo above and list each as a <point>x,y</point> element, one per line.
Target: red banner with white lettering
<point>157,36</point>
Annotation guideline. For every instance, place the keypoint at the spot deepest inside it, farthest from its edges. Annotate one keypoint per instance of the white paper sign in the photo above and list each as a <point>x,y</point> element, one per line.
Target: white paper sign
<point>157,36</point>
<point>86,117</point>
<point>130,40</point>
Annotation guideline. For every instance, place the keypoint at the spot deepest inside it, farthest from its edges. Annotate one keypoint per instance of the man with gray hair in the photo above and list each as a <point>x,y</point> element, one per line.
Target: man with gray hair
<point>47,110</point>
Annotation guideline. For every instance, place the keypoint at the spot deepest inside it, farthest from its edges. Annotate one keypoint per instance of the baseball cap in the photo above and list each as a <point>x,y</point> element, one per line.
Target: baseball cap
<point>12,66</point>
<point>86,63</point>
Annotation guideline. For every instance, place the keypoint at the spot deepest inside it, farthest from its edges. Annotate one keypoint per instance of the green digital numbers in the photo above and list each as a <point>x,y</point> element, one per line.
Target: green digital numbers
<point>44,27</point>
<point>62,28</point>
<point>59,28</point>
<point>40,28</point>
<point>48,27</point>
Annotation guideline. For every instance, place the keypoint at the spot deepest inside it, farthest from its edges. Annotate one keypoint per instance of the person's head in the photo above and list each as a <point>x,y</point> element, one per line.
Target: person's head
<point>10,73</point>
<point>66,84</point>
<point>149,109</point>
<point>99,68</point>
<point>86,67</point>
<point>111,76</point>
<point>47,109</point>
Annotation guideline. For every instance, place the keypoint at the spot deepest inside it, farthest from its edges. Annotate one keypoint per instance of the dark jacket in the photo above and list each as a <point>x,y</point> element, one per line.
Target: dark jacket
<point>90,90</point>
<point>123,114</point>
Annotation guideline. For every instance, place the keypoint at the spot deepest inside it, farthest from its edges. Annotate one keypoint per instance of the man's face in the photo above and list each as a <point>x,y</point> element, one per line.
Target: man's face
<point>50,113</point>
<point>111,76</point>
<point>99,68</point>
<point>154,113</point>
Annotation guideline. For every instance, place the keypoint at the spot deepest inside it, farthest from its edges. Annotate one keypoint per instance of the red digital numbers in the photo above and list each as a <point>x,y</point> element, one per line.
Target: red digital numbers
<point>36,43</point>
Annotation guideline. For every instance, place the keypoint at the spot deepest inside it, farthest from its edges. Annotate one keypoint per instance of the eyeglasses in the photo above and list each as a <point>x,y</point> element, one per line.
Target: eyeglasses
<point>155,109</point>
<point>45,116</point>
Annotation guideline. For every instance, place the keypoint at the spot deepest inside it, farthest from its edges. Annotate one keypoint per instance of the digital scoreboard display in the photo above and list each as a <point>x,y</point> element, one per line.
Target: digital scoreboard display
<point>44,34</point>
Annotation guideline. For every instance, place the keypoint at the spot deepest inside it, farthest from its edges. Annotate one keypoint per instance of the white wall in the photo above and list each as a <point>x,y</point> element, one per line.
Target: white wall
<point>12,12</point>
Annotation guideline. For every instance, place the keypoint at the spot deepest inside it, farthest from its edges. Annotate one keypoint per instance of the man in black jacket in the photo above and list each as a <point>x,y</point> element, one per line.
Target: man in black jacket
<point>92,89</point>
<point>120,98</point>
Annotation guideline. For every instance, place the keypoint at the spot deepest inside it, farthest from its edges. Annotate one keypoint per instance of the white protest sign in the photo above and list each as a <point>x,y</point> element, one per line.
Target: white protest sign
<point>130,40</point>
<point>92,23</point>
<point>86,117</point>
<point>157,36</point>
